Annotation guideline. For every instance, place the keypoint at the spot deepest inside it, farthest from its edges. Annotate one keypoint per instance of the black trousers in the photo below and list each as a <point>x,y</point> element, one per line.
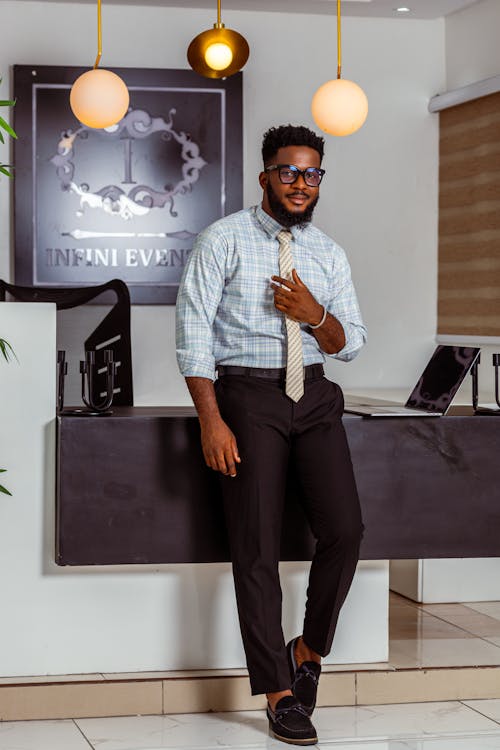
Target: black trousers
<point>272,430</point>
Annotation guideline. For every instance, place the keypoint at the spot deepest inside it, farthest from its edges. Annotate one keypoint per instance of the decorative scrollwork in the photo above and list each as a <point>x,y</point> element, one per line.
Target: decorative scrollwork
<point>140,199</point>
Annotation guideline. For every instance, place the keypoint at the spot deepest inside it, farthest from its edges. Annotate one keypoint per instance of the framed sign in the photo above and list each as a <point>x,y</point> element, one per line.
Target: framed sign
<point>124,202</point>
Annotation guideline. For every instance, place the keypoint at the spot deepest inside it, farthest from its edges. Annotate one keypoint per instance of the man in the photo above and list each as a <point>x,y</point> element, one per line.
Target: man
<point>265,327</point>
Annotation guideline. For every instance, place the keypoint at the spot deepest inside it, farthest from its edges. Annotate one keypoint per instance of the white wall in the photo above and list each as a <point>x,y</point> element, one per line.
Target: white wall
<point>472,48</point>
<point>379,199</point>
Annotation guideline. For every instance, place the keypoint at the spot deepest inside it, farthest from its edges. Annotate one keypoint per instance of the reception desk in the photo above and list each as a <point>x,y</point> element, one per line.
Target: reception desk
<point>132,488</point>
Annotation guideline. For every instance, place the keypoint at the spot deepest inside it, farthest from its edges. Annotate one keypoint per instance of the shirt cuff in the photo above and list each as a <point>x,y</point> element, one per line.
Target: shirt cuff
<point>198,367</point>
<point>355,339</point>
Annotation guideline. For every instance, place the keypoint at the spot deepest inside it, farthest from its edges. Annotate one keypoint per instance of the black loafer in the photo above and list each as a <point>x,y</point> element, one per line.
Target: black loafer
<point>290,723</point>
<point>304,679</point>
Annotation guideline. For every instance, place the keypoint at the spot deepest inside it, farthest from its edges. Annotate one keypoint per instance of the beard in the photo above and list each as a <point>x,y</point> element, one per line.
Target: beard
<point>287,218</point>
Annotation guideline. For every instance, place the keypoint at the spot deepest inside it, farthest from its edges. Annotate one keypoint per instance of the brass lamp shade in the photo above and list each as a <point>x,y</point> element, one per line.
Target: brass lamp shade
<point>218,35</point>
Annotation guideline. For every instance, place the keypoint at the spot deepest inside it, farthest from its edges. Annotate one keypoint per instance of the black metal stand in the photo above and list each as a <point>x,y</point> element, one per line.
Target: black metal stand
<point>62,371</point>
<point>485,410</point>
<point>94,408</point>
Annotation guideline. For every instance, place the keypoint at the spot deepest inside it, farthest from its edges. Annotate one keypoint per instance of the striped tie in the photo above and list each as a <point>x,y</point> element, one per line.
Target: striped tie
<point>294,360</point>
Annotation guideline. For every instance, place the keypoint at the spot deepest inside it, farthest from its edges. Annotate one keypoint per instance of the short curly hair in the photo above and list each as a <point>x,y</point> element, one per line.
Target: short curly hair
<point>290,135</point>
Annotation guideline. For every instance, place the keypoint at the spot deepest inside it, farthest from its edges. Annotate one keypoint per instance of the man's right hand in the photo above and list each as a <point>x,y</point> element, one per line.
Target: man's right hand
<point>217,440</point>
<point>219,446</point>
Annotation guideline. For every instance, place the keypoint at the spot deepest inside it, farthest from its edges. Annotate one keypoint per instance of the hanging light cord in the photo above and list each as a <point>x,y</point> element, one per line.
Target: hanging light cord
<point>219,24</point>
<point>99,35</point>
<point>339,42</point>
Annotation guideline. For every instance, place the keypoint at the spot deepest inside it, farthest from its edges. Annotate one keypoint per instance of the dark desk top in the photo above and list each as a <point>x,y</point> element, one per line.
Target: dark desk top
<point>133,488</point>
<point>127,412</point>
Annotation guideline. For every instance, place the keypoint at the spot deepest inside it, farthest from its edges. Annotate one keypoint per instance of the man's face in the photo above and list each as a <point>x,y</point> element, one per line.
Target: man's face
<point>291,204</point>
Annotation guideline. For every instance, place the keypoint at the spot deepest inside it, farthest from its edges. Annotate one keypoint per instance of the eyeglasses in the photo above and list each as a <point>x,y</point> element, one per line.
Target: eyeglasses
<point>289,173</point>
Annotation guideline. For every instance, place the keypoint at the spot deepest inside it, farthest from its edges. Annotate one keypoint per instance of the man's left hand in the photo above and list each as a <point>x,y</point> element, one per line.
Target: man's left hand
<point>295,300</point>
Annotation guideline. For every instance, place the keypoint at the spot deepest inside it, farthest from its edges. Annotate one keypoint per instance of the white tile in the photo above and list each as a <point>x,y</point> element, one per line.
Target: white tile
<point>470,742</point>
<point>377,724</point>
<point>364,745</point>
<point>399,721</point>
<point>234,729</point>
<point>443,652</point>
<point>41,735</point>
<point>488,707</point>
<point>486,608</point>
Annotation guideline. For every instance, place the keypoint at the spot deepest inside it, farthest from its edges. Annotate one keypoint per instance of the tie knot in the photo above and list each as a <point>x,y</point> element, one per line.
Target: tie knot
<point>284,236</point>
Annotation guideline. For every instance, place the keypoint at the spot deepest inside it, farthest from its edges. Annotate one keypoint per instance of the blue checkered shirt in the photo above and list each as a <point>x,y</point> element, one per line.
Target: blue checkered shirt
<point>225,304</point>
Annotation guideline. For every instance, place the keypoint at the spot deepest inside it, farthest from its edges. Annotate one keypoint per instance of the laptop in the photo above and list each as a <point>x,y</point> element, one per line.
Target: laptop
<point>435,390</point>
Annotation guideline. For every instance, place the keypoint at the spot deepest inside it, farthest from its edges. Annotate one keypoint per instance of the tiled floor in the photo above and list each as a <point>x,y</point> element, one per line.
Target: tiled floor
<point>421,637</point>
<point>443,635</point>
<point>453,725</point>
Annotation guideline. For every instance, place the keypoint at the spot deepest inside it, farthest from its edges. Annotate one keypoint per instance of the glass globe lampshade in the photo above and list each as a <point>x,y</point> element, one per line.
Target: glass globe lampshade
<point>339,107</point>
<point>218,56</point>
<point>99,98</point>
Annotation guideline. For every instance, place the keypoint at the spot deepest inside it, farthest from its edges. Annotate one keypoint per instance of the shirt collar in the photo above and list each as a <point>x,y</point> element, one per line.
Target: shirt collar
<point>270,226</point>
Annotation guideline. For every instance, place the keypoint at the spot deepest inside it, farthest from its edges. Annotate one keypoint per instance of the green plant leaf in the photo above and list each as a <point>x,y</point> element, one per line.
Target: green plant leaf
<point>5,125</point>
<point>6,350</point>
<point>6,169</point>
<point>3,489</point>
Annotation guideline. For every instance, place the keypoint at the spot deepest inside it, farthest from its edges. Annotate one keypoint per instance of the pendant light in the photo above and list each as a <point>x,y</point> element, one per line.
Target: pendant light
<point>218,52</point>
<point>99,98</point>
<point>339,107</point>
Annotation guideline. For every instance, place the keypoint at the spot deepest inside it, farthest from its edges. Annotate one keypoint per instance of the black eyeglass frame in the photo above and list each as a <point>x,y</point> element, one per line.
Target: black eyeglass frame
<point>293,168</point>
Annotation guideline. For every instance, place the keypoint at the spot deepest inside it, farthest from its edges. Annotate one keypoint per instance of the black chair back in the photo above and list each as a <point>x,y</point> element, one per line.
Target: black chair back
<point>112,333</point>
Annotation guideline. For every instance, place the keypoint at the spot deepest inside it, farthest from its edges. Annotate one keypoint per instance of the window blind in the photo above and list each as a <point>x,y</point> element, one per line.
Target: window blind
<point>469,219</point>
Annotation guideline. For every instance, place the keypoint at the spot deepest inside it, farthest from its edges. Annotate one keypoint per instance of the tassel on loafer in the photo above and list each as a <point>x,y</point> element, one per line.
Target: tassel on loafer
<point>290,723</point>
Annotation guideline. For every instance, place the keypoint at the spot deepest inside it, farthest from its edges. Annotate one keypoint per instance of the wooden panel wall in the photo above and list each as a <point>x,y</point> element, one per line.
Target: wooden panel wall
<point>469,218</point>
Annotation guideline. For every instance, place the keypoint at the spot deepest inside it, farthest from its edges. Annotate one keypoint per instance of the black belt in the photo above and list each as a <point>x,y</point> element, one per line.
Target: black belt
<point>311,371</point>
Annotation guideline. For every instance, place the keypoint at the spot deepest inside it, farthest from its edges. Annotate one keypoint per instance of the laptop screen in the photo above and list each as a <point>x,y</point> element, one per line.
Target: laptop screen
<point>442,378</point>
